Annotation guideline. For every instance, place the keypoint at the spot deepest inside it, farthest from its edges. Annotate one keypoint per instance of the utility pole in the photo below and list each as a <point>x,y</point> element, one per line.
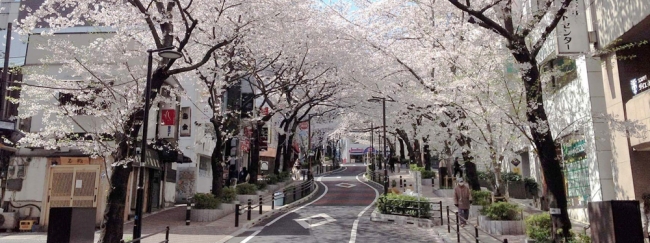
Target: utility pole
<point>4,155</point>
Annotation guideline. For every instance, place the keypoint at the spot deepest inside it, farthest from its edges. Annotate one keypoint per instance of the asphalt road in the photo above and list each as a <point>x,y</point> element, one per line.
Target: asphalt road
<point>340,212</point>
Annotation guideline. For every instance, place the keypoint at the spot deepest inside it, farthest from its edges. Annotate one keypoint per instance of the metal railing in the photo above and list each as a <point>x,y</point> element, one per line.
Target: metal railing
<point>478,232</point>
<point>291,193</point>
<point>166,230</point>
<point>419,209</point>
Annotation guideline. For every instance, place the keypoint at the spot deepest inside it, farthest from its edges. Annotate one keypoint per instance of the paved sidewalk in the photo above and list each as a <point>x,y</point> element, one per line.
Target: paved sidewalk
<point>196,232</point>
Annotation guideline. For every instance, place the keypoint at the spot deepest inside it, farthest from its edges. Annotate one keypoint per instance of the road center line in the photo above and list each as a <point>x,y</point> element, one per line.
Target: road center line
<point>353,233</point>
<point>294,210</point>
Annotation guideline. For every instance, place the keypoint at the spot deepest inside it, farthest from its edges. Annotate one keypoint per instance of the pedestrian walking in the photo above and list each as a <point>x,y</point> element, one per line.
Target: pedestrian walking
<point>243,175</point>
<point>457,169</point>
<point>462,200</point>
<point>391,162</point>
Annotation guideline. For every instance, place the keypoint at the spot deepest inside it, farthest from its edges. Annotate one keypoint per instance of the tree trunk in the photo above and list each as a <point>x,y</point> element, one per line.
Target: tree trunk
<point>405,139</point>
<point>546,147</point>
<point>278,153</point>
<point>113,227</point>
<point>402,155</point>
<point>216,160</point>
<point>472,176</point>
<point>288,154</point>
<point>255,153</point>
<point>418,153</point>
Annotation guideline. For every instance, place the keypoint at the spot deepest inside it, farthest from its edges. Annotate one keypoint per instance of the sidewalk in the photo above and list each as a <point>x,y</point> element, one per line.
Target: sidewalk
<point>197,232</point>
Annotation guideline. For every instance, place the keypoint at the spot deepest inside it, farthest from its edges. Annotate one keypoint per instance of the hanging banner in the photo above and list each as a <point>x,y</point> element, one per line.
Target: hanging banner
<point>572,36</point>
<point>167,123</point>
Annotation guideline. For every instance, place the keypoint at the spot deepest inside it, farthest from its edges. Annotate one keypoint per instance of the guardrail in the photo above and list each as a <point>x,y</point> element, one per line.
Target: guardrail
<point>477,231</point>
<point>166,230</point>
<point>291,193</point>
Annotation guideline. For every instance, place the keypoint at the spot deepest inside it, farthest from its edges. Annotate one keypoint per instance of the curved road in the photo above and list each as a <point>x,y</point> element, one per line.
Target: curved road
<point>340,212</point>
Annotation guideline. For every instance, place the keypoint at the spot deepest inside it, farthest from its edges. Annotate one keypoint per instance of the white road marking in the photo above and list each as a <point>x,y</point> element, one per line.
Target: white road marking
<point>292,211</point>
<point>307,225</point>
<point>353,233</point>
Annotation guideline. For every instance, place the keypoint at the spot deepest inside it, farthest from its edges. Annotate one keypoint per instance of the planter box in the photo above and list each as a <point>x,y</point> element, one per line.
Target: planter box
<point>427,182</point>
<point>243,199</point>
<point>474,211</point>
<point>499,227</point>
<point>205,215</point>
<point>227,208</point>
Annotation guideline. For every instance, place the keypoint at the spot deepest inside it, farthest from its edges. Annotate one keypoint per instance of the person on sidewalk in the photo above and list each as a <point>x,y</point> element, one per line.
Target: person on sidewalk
<point>391,162</point>
<point>457,169</point>
<point>462,200</point>
<point>243,175</point>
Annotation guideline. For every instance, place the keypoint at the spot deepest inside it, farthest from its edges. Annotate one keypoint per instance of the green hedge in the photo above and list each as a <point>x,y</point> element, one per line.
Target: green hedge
<point>273,179</point>
<point>538,227</point>
<point>502,211</point>
<point>246,189</point>
<point>394,204</point>
<point>427,174</point>
<point>485,175</point>
<point>511,176</point>
<point>228,195</point>
<point>481,198</point>
<point>206,201</point>
<point>261,185</point>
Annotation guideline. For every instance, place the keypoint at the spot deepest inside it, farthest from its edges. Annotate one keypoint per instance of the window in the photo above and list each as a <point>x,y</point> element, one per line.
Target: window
<point>561,71</point>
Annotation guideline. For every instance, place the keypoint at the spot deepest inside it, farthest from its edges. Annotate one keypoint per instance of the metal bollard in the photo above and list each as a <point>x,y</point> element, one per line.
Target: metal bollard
<point>284,196</point>
<point>457,228</point>
<point>448,223</point>
<point>237,214</point>
<point>188,212</point>
<point>273,201</point>
<point>167,235</point>
<point>294,193</point>
<point>386,185</point>
<point>505,240</point>
<point>441,221</point>
<point>476,233</point>
<point>248,216</point>
<point>400,181</point>
<point>260,204</point>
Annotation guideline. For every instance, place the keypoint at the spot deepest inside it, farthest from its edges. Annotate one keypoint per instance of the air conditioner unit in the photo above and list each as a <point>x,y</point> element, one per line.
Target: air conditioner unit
<point>8,221</point>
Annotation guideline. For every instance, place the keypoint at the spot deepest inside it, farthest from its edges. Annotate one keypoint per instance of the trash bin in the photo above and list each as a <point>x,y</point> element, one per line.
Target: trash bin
<point>279,199</point>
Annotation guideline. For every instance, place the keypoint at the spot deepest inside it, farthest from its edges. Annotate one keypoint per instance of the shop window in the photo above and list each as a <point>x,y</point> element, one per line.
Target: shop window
<point>559,72</point>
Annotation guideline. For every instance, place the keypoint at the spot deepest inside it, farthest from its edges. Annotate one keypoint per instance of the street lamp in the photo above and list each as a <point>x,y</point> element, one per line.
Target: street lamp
<point>383,100</point>
<point>166,53</point>
<point>309,141</point>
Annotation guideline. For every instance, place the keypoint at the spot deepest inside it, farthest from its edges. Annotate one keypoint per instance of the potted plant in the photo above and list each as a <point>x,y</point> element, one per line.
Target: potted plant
<point>228,197</point>
<point>480,199</point>
<point>501,218</point>
<point>206,208</point>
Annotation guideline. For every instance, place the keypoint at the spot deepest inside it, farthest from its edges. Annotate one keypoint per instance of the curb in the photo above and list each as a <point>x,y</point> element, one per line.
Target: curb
<point>284,209</point>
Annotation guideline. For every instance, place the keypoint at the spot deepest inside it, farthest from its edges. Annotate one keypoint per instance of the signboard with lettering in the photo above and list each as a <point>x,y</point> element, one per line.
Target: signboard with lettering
<point>167,124</point>
<point>75,161</point>
<point>572,36</point>
<point>639,85</point>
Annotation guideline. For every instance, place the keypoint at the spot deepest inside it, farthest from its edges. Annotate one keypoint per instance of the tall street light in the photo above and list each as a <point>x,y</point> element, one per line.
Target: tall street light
<point>309,141</point>
<point>166,53</point>
<point>383,100</point>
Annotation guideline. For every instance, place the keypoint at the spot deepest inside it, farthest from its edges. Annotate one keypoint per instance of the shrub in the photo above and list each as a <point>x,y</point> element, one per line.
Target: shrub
<point>510,176</point>
<point>273,179</point>
<point>246,189</point>
<point>531,186</point>
<point>285,175</point>
<point>538,227</point>
<point>206,201</point>
<point>481,198</point>
<point>261,185</point>
<point>228,195</point>
<point>427,174</point>
<point>485,175</point>
<point>397,204</point>
<point>415,167</point>
<point>502,211</point>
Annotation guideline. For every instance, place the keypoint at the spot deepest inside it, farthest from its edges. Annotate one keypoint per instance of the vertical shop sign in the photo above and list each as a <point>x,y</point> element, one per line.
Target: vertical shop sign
<point>572,37</point>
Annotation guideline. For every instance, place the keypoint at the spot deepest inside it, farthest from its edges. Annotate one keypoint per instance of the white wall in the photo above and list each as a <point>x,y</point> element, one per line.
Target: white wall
<point>33,185</point>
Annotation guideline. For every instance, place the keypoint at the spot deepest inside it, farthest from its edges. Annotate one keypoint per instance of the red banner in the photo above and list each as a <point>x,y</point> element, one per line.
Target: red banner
<point>168,117</point>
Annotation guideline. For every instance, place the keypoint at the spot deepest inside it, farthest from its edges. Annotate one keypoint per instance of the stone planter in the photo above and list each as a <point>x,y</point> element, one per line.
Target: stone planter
<point>227,208</point>
<point>529,241</point>
<point>474,211</point>
<point>243,199</point>
<point>427,182</point>
<point>205,215</point>
<point>499,227</point>
<point>262,192</point>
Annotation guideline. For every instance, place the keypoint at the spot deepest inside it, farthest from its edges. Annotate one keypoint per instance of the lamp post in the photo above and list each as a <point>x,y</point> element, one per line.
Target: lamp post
<point>166,53</point>
<point>383,100</point>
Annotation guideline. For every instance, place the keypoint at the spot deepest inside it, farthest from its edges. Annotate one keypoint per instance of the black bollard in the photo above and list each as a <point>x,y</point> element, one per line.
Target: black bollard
<point>188,213</point>
<point>237,214</point>
<point>248,216</point>
<point>261,204</point>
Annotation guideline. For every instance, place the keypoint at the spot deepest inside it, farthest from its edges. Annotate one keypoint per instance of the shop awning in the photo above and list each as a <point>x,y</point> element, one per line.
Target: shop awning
<point>151,161</point>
